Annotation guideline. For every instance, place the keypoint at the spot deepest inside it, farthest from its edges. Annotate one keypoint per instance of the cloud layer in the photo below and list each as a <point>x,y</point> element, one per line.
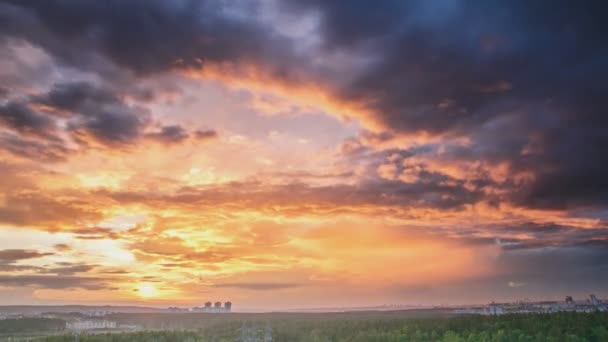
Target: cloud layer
<point>301,147</point>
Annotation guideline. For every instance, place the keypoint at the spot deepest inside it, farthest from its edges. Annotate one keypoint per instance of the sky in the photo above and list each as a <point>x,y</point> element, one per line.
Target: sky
<point>290,154</point>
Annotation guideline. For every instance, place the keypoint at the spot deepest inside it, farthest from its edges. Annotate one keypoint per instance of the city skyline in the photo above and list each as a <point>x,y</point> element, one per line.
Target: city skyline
<point>302,154</point>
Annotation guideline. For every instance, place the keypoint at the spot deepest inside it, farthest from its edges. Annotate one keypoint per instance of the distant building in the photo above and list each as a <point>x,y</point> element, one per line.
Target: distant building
<point>91,325</point>
<point>97,313</point>
<point>494,309</point>
<point>592,304</point>
<point>129,326</point>
<point>214,307</point>
<point>594,300</point>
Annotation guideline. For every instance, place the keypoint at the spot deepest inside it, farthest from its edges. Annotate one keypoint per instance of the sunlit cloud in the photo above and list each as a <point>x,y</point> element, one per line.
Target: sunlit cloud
<point>305,155</point>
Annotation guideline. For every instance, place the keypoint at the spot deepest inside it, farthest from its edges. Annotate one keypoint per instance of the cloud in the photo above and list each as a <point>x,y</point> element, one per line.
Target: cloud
<point>379,193</point>
<point>169,134</point>
<point>481,126</point>
<point>175,134</point>
<point>516,284</point>
<point>21,118</point>
<point>94,233</point>
<point>35,209</point>
<point>92,114</point>
<point>69,270</point>
<point>19,268</point>
<point>12,255</point>
<point>258,286</point>
<point>96,111</point>
<point>205,134</point>
<point>567,268</point>
<point>410,68</point>
<point>177,249</point>
<point>34,149</point>
<point>10,258</point>
<point>115,126</point>
<point>489,83</point>
<point>89,114</point>
<point>77,97</point>
<point>54,282</point>
<point>191,32</point>
<point>62,247</point>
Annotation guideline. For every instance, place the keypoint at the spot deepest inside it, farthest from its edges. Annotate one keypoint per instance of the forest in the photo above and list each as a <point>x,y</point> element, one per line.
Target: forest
<point>369,327</point>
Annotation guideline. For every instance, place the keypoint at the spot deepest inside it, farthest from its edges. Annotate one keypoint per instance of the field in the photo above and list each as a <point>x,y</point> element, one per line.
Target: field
<point>342,327</point>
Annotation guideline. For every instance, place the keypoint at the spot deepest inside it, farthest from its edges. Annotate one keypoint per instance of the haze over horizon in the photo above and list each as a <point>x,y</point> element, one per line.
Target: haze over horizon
<point>289,154</point>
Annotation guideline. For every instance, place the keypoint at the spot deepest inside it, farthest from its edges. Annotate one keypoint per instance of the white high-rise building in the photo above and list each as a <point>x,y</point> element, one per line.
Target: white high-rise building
<point>594,300</point>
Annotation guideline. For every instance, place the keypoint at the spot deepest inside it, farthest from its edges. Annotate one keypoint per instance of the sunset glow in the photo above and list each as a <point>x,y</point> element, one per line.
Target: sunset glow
<point>147,290</point>
<point>287,154</point>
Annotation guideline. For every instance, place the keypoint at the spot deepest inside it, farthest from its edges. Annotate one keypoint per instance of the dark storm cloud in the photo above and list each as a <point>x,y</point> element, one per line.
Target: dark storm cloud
<point>443,65</point>
<point>31,133</point>
<point>21,118</point>
<point>553,260</point>
<point>577,265</point>
<point>96,111</point>
<point>112,126</point>
<point>176,134</point>
<point>100,111</point>
<point>91,112</point>
<point>525,80</point>
<point>170,134</point>
<point>143,36</point>
<point>77,97</point>
<point>525,235</point>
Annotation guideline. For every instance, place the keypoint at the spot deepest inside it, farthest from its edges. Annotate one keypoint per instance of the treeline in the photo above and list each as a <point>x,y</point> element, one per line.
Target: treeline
<point>158,336</point>
<point>568,327</point>
<point>25,325</point>
<point>370,327</point>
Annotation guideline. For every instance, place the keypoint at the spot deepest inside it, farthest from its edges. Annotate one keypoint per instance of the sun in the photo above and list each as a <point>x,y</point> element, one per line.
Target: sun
<point>147,290</point>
